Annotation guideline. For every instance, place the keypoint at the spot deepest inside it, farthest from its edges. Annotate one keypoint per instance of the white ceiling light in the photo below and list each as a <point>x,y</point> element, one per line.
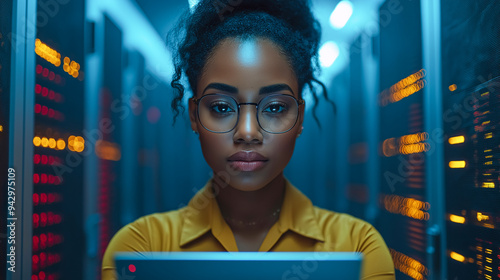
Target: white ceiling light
<point>341,14</point>
<point>328,53</point>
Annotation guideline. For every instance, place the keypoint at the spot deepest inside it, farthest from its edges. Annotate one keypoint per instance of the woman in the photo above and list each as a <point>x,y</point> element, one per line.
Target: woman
<point>247,63</point>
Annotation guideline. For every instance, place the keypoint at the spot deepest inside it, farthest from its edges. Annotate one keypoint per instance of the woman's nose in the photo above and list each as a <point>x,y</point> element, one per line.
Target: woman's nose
<point>248,129</point>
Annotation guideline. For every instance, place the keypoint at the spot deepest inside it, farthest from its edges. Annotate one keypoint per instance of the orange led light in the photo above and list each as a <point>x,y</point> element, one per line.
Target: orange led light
<point>452,87</point>
<point>456,140</point>
<point>37,141</point>
<point>408,265</point>
<point>71,67</point>
<point>61,144</point>
<point>405,206</point>
<point>406,144</point>
<point>49,142</point>
<point>457,257</point>
<point>488,185</point>
<point>45,142</point>
<point>457,219</point>
<point>404,88</point>
<point>481,217</point>
<point>76,143</point>
<point>47,53</point>
<point>457,164</point>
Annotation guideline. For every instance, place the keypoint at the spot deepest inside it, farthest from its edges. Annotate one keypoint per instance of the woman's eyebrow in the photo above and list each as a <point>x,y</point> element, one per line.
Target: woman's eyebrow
<point>234,90</point>
<point>223,87</point>
<point>275,88</point>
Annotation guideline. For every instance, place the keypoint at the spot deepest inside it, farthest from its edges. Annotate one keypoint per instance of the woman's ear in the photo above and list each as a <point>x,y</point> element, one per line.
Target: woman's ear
<point>192,114</point>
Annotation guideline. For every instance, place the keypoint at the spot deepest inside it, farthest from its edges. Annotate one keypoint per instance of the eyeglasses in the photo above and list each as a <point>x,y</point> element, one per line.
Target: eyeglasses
<point>220,113</point>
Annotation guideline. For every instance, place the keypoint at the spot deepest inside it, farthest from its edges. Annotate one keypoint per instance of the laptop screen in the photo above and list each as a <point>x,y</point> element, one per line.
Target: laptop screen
<point>238,265</point>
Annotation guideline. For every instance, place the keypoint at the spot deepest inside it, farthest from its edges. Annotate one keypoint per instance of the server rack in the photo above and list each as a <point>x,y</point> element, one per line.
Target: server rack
<point>404,215</point>
<point>471,120</point>
<point>439,200</point>
<point>58,142</point>
<point>45,143</point>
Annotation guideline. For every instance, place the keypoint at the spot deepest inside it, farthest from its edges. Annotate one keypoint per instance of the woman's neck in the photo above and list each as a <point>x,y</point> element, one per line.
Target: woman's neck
<point>252,209</point>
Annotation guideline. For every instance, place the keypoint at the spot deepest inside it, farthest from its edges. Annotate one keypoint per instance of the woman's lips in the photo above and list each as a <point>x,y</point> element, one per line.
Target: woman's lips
<point>247,165</point>
<point>247,161</point>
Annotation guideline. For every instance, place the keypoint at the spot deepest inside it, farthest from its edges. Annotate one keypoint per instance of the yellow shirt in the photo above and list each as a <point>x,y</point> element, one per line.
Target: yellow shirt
<point>301,227</point>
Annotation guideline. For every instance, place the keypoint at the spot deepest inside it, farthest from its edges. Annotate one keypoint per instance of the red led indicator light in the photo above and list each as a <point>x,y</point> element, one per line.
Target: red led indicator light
<point>131,268</point>
<point>36,178</point>
<point>43,178</point>
<point>36,199</point>
<point>43,198</point>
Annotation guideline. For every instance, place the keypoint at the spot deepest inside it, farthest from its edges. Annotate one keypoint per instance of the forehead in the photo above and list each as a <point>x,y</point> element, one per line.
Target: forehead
<point>247,65</point>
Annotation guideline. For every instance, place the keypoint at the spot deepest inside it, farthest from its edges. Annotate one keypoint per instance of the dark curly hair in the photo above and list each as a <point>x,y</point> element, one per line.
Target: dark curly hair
<point>289,24</point>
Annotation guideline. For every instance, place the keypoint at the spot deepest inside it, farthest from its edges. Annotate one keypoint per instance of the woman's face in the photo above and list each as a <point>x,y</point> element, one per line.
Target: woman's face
<point>241,69</point>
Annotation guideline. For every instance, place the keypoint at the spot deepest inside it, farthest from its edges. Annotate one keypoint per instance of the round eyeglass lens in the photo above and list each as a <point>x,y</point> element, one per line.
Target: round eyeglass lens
<point>218,113</point>
<point>278,113</point>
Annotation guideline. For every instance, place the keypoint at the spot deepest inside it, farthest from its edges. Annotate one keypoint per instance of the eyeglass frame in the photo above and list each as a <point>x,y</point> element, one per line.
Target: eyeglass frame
<point>298,101</point>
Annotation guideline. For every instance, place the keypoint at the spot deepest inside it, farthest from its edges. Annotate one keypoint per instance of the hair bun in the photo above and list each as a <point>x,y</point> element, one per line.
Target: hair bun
<point>296,14</point>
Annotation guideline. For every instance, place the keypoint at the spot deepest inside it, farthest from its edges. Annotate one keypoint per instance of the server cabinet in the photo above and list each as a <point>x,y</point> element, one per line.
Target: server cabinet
<point>404,215</point>
<point>46,146</point>
<point>58,141</point>
<point>471,120</point>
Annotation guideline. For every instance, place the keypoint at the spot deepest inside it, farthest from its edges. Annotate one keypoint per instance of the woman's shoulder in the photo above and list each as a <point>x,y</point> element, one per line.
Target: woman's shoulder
<point>334,218</point>
<point>345,226</point>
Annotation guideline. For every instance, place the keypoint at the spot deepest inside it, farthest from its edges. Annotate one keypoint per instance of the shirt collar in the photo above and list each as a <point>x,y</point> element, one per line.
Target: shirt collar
<point>297,214</point>
<point>203,214</point>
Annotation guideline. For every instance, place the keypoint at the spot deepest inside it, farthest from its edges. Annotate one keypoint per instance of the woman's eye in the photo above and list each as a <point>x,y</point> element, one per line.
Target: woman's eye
<point>221,107</point>
<point>275,108</point>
